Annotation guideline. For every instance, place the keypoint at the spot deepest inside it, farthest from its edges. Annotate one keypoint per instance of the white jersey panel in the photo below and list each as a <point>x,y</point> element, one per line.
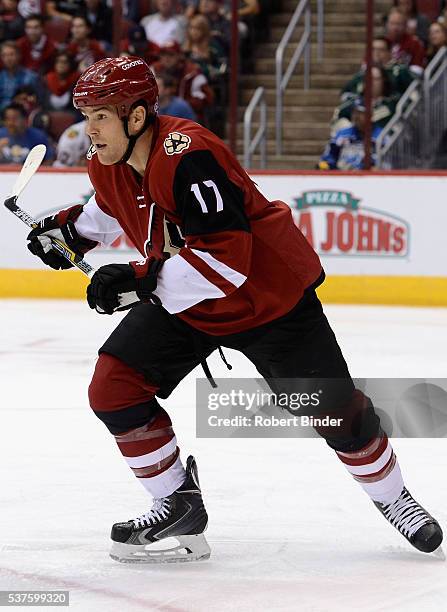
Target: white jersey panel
<point>180,286</point>
<point>94,224</point>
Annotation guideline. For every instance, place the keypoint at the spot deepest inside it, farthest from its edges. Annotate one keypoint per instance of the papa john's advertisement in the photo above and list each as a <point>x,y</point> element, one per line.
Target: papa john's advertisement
<point>368,225</point>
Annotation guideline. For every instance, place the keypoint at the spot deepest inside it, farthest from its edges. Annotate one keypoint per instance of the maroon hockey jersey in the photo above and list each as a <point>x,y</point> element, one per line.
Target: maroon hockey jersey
<point>237,260</point>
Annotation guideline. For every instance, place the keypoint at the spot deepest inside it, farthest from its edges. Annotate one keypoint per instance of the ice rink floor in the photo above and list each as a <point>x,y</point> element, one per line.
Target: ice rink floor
<point>289,529</point>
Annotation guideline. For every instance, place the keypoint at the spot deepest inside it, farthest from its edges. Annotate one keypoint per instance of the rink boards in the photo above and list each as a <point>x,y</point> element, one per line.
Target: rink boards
<point>381,237</point>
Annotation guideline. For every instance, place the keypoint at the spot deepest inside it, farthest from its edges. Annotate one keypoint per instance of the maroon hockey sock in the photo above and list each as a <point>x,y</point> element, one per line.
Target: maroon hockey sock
<point>152,454</point>
<point>376,469</point>
<point>125,401</point>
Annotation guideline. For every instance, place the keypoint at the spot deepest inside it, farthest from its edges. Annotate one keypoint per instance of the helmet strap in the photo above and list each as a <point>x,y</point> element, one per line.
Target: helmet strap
<point>149,120</point>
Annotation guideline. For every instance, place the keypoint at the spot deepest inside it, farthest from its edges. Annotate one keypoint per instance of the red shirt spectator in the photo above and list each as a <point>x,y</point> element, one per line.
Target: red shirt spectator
<point>192,83</point>
<point>405,48</point>
<point>37,50</point>
<point>60,82</point>
<point>85,50</point>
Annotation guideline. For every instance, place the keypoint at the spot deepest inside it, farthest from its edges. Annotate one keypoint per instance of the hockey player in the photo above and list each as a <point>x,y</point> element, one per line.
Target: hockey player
<point>221,266</point>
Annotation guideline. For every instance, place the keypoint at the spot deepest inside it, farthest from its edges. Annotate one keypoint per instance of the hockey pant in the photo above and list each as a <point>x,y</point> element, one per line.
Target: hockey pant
<point>151,351</point>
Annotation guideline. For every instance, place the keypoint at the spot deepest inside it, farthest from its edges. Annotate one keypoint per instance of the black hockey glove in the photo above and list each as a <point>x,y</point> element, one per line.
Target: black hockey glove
<point>133,282</point>
<point>59,226</point>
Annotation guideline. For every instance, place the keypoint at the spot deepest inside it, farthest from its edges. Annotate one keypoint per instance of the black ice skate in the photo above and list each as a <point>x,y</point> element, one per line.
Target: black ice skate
<point>171,531</point>
<point>414,523</point>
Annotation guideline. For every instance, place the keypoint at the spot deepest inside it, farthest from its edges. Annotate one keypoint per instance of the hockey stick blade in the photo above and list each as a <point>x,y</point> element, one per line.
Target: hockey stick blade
<point>29,168</point>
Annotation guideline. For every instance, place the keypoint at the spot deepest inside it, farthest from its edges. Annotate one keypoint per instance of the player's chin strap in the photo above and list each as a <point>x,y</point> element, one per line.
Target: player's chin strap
<point>149,120</point>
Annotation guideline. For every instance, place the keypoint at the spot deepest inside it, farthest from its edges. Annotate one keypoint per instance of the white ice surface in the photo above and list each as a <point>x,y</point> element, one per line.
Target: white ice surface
<point>289,529</point>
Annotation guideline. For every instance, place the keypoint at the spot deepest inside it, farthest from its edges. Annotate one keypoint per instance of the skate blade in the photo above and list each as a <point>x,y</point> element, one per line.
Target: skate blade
<point>183,549</point>
<point>439,553</point>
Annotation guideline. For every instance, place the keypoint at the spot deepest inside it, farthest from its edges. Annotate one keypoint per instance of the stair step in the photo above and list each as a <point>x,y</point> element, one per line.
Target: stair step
<point>297,113</point>
<point>295,97</point>
<point>291,147</point>
<point>292,131</point>
<point>330,19</point>
<point>346,7</point>
<point>307,114</point>
<point>331,81</point>
<point>332,34</point>
<point>266,66</point>
<point>285,162</point>
<point>340,50</point>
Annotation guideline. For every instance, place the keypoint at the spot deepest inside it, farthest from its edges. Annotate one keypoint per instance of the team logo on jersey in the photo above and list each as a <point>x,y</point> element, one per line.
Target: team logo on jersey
<point>176,143</point>
<point>91,151</point>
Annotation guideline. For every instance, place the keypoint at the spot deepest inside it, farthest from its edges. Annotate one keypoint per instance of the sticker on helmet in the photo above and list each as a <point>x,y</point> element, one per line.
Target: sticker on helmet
<point>176,143</point>
<point>132,64</point>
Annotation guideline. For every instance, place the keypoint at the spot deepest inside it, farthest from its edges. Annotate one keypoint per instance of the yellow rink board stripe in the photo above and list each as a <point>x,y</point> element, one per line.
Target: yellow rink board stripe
<point>43,283</point>
<point>386,290</point>
<point>396,290</point>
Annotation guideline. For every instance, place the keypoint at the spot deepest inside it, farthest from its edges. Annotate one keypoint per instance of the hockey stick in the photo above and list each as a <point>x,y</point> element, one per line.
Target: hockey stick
<point>30,167</point>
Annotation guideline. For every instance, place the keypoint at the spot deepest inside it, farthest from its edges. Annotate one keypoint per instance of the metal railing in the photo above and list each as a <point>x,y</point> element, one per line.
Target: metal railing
<point>260,138</point>
<point>413,136</point>
<point>435,98</point>
<point>303,47</point>
<point>320,29</point>
<point>398,143</point>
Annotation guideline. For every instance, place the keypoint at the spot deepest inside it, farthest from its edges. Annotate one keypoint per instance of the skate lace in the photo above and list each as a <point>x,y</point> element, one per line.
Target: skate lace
<point>406,514</point>
<point>159,511</point>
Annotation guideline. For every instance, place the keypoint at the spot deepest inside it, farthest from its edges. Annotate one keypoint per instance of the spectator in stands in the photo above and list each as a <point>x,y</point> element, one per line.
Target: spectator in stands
<point>189,7</point>
<point>405,48</point>
<point>11,22</point>
<point>253,27</point>
<point>17,139</point>
<point>59,83</point>
<point>202,50</point>
<point>37,117</point>
<point>165,25</point>
<point>13,75</point>
<point>345,151</point>
<point>131,10</point>
<point>170,104</point>
<point>100,17</point>
<point>137,44</point>
<point>72,146</point>
<point>192,83</point>
<point>437,39</point>
<point>84,49</point>
<point>383,101</point>
<point>251,16</point>
<point>381,51</point>
<point>219,24</point>
<point>64,9</point>
<point>400,76</point>
<point>417,23</point>
<point>36,49</point>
